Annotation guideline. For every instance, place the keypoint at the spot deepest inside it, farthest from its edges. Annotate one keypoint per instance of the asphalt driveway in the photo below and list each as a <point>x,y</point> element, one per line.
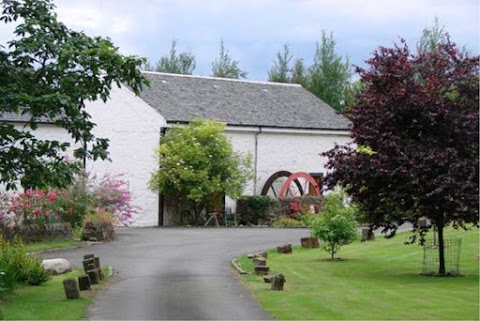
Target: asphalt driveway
<point>177,274</point>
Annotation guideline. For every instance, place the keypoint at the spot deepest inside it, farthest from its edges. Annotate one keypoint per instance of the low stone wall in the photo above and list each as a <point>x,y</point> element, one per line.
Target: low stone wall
<point>37,232</point>
<point>98,232</point>
<point>283,205</point>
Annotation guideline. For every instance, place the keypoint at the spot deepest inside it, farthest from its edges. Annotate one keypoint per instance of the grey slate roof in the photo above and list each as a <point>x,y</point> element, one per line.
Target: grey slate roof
<point>22,118</point>
<point>181,98</point>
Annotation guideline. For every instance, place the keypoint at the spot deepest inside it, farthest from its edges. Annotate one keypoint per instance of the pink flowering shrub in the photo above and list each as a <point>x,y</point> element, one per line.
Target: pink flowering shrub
<point>35,206</point>
<point>87,195</point>
<point>110,193</point>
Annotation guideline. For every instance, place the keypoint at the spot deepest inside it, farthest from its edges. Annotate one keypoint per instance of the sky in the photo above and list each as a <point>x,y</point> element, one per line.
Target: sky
<point>255,30</point>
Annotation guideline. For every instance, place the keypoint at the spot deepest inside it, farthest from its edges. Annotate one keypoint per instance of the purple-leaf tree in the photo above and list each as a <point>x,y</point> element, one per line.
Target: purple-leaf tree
<point>415,130</point>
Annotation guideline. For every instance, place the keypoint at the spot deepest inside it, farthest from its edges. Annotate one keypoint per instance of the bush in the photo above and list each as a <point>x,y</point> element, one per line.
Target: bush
<point>251,209</point>
<point>8,279</point>
<point>36,210</point>
<point>335,224</point>
<point>111,194</point>
<point>26,268</point>
<point>287,222</point>
<point>32,272</point>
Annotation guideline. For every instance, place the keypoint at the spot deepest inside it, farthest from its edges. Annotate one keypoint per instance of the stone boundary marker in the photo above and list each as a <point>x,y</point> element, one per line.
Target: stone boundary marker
<point>71,289</point>
<point>84,282</point>
<point>285,249</point>
<point>309,242</point>
<point>93,275</point>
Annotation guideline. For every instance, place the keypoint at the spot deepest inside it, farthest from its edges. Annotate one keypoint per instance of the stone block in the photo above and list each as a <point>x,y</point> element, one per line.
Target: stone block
<point>285,249</point>
<point>309,242</point>
<point>71,289</point>
<point>261,270</point>
<point>89,264</point>
<point>88,256</point>
<point>259,261</point>
<point>84,282</point>
<point>94,276</point>
<point>277,282</point>
<point>269,278</point>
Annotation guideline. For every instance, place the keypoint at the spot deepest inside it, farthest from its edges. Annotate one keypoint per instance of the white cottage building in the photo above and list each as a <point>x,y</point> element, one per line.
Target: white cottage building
<point>283,126</point>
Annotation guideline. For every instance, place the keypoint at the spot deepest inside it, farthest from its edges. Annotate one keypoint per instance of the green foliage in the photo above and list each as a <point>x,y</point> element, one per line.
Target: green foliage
<point>24,267</point>
<point>251,208</point>
<point>280,72</point>
<point>432,37</point>
<point>287,222</point>
<point>225,67</point>
<point>299,73</point>
<point>33,272</point>
<point>335,225</point>
<point>8,278</point>
<point>306,218</point>
<point>174,63</point>
<point>49,71</point>
<point>197,161</point>
<point>329,76</point>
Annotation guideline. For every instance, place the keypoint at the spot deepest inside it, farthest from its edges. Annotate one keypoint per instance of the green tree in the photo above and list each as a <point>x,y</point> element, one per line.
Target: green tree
<point>174,62</point>
<point>335,225</point>
<point>196,162</point>
<point>225,67</point>
<point>329,76</point>
<point>298,72</point>
<point>50,71</point>
<point>432,37</point>
<point>281,70</point>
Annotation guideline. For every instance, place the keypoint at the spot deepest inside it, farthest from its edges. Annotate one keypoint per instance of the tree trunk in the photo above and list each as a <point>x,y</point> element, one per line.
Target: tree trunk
<point>332,252</point>
<point>198,208</point>
<point>441,251</point>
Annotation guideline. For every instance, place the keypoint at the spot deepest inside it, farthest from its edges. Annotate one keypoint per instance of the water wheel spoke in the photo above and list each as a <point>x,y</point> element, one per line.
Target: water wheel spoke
<point>286,189</point>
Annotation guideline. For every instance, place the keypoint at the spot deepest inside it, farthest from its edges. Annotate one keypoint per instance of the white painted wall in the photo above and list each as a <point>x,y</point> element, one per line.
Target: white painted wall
<point>133,128</point>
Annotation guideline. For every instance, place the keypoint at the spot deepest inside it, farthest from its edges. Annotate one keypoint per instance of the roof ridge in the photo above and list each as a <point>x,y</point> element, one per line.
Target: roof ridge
<point>224,79</point>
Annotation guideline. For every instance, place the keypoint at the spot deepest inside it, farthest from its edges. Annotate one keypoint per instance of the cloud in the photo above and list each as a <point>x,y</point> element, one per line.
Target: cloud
<point>254,30</point>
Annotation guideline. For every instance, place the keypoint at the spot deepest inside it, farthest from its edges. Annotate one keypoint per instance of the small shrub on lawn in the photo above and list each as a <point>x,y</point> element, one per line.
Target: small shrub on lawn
<point>335,224</point>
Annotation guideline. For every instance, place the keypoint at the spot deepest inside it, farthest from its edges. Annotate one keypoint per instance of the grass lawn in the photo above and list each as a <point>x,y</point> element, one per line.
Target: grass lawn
<point>379,280</point>
<point>51,245</point>
<point>47,302</point>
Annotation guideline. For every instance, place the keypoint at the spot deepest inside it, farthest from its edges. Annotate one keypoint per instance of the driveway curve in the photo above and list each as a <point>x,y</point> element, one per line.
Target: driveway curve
<point>178,274</point>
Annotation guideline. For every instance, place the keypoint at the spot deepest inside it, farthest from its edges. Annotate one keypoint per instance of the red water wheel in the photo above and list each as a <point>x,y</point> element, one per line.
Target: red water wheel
<point>275,182</point>
<point>299,184</point>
